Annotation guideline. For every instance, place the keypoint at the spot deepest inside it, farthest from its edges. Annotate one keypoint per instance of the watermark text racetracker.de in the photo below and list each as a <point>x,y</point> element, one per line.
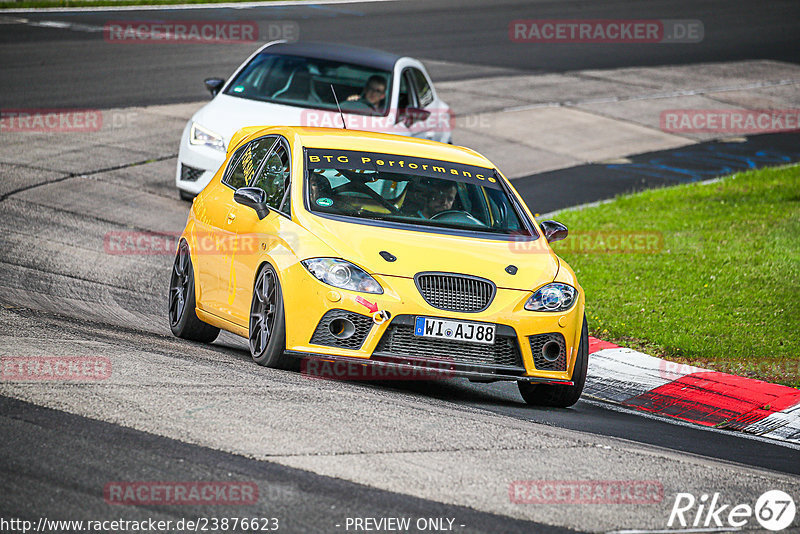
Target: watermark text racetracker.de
<point>428,120</point>
<point>148,493</point>
<point>586,492</point>
<point>51,120</point>
<point>738,121</point>
<point>54,368</point>
<point>321,368</point>
<point>199,31</point>
<point>595,242</point>
<point>755,369</point>
<point>605,31</point>
<point>136,243</point>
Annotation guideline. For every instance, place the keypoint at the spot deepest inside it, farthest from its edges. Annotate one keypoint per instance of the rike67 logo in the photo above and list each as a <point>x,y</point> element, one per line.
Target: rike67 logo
<point>774,510</point>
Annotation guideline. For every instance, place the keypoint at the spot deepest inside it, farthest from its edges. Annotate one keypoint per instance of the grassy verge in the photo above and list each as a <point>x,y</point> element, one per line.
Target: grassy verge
<point>26,4</point>
<point>720,285</point>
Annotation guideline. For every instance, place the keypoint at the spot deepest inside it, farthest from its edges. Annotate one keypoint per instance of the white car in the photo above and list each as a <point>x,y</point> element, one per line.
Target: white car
<point>299,84</point>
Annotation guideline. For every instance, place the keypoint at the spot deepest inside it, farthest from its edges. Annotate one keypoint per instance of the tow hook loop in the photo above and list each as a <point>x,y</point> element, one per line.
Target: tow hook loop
<point>381,316</point>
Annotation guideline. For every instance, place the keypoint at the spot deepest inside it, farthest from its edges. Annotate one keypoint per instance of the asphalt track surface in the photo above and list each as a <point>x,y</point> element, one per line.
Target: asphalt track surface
<point>51,461</point>
<point>112,453</point>
<point>551,191</point>
<point>54,67</point>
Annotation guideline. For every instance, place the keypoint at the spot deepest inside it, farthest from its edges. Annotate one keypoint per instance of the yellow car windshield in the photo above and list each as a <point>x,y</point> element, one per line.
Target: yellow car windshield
<point>410,190</point>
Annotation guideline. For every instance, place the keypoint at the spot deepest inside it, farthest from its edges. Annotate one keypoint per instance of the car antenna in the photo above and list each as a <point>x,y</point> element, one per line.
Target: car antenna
<point>344,125</point>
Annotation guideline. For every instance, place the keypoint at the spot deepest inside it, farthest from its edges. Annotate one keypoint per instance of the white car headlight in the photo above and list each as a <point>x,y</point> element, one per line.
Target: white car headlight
<point>342,274</point>
<point>203,136</point>
<point>553,297</point>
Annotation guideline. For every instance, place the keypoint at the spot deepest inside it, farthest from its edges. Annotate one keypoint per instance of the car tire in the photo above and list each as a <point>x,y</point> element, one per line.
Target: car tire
<point>181,311</point>
<point>267,326</point>
<point>561,396</point>
<point>185,195</point>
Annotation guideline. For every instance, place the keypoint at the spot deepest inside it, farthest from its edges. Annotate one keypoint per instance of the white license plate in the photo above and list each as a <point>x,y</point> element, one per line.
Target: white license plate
<point>454,330</point>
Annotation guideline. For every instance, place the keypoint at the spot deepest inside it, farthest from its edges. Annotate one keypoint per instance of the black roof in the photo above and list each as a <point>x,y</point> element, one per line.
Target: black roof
<point>357,55</point>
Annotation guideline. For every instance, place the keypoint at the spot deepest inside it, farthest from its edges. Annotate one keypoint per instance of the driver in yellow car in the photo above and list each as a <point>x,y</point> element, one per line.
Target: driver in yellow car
<point>439,196</point>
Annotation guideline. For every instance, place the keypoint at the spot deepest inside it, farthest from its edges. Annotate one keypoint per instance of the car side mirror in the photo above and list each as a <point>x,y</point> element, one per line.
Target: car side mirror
<point>253,197</point>
<point>554,230</point>
<point>411,115</point>
<point>214,85</point>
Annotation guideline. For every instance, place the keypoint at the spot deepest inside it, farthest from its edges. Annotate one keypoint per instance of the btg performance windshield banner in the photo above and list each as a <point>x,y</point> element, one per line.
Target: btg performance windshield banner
<point>320,158</point>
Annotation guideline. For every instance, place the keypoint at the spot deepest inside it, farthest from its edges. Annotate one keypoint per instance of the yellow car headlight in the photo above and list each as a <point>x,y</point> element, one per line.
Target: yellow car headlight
<point>342,274</point>
<point>555,297</point>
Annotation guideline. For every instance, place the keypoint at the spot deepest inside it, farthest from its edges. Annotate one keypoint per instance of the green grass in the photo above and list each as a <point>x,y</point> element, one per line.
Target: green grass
<point>723,292</point>
<point>25,4</point>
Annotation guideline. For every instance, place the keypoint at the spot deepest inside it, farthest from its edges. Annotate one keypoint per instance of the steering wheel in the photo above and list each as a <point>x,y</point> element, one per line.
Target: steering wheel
<point>354,105</point>
<point>457,216</point>
<point>359,186</point>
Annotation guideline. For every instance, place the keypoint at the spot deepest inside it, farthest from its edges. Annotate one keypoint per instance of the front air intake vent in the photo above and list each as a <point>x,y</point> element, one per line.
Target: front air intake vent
<point>190,174</point>
<point>549,352</point>
<point>342,328</point>
<point>455,292</point>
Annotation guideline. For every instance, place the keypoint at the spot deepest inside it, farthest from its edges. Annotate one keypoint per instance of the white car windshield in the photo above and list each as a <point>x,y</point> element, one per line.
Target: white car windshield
<point>306,82</point>
<point>410,190</point>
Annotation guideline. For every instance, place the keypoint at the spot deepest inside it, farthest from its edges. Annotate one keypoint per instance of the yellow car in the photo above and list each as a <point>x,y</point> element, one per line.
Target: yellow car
<point>383,252</point>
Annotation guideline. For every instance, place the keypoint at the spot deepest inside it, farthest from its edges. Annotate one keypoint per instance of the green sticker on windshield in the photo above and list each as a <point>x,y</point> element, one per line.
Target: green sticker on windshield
<point>325,202</point>
<point>238,89</point>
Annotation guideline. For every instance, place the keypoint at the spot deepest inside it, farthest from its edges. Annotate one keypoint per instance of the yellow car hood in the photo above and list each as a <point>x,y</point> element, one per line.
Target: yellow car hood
<point>425,251</point>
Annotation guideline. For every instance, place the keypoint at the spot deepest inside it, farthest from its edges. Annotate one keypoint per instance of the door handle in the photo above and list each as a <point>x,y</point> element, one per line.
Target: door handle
<point>231,217</point>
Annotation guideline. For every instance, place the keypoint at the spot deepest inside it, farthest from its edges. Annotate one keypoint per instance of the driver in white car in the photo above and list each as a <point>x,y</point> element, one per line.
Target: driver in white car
<point>373,94</point>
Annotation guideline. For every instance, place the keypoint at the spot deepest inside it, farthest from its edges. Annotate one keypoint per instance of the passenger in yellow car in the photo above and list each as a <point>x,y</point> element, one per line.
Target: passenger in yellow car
<point>319,186</point>
<point>324,198</point>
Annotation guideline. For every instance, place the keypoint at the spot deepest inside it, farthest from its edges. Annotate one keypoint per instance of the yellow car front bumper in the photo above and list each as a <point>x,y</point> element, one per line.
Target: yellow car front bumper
<point>515,354</point>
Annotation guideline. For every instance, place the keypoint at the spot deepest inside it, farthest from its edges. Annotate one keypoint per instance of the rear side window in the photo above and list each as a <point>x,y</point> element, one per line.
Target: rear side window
<point>424,92</point>
<point>273,177</point>
<point>246,161</point>
<point>407,98</point>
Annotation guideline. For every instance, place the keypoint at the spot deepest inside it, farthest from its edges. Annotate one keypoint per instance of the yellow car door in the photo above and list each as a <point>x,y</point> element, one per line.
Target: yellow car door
<point>211,239</point>
<point>257,235</point>
<point>224,229</point>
